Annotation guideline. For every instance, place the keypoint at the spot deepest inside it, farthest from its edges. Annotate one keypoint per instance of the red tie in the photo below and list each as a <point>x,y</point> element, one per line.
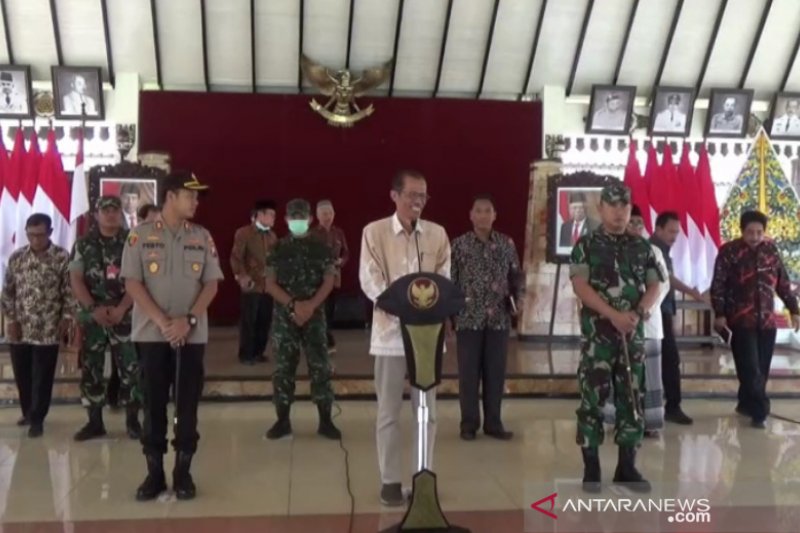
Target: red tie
<point>575,233</point>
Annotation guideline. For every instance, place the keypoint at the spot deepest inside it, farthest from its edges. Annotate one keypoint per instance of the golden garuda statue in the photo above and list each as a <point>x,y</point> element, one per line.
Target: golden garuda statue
<point>343,91</point>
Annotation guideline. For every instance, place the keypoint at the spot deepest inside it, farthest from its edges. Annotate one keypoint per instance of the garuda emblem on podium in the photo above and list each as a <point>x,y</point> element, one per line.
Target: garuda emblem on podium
<point>341,109</point>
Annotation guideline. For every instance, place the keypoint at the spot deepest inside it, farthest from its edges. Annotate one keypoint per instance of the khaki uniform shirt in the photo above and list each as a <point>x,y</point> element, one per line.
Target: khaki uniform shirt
<point>389,253</point>
<point>173,267</point>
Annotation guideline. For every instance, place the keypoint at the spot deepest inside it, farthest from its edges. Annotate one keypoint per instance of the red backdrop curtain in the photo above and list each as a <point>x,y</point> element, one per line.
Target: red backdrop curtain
<point>274,146</point>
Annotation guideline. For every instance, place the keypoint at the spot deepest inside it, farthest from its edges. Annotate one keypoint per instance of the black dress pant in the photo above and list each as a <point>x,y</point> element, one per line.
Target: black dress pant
<point>256,320</point>
<point>34,369</point>
<point>481,361</point>
<point>752,353</point>
<point>670,364</point>
<point>330,308</point>
<point>158,366</point>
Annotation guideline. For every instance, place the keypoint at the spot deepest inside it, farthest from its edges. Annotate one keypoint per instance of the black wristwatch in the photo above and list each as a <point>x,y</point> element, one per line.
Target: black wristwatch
<point>192,320</point>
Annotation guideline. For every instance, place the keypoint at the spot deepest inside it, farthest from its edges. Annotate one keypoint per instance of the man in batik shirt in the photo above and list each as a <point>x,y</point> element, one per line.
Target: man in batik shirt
<point>747,275</point>
<point>36,303</point>
<point>485,266</point>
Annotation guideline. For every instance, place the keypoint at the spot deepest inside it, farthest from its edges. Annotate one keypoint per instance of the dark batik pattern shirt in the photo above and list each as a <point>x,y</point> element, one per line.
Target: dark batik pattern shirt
<point>745,283</point>
<point>488,273</point>
<point>36,293</point>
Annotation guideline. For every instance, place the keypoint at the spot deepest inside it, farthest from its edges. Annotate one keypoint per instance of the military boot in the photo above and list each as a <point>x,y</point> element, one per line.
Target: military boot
<point>591,469</point>
<point>182,482</point>
<point>155,483</point>
<point>326,427</point>
<point>132,425</point>
<point>94,428</point>
<point>626,473</point>
<point>283,427</point>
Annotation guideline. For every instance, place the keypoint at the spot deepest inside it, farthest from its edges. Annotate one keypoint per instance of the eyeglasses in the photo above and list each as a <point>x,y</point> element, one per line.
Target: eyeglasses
<point>636,224</point>
<point>416,196</point>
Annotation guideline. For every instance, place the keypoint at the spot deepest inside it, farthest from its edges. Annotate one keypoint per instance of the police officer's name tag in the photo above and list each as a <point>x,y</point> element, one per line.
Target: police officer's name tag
<point>112,272</point>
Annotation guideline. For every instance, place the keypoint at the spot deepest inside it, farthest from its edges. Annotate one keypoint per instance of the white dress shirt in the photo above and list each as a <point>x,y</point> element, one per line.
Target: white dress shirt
<point>388,253</point>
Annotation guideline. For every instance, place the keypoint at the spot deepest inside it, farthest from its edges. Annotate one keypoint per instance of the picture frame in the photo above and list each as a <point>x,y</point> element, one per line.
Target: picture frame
<point>16,92</point>
<point>123,178</point>
<point>671,112</point>
<point>611,109</point>
<point>78,93</point>
<point>785,116</point>
<point>562,191</point>
<point>728,112</point>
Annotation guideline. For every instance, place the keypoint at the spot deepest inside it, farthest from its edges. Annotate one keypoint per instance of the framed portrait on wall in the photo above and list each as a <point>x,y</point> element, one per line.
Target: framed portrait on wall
<point>573,202</point>
<point>78,91</point>
<point>671,112</point>
<point>133,193</point>
<point>785,117</point>
<point>610,109</point>
<point>135,184</point>
<point>728,112</point>
<point>16,100</point>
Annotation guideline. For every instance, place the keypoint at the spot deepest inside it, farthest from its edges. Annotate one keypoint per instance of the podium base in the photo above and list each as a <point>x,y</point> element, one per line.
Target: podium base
<point>424,514</point>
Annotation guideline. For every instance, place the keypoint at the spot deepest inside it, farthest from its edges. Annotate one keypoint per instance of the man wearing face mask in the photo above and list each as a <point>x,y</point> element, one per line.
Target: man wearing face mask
<point>251,246</point>
<point>299,276</point>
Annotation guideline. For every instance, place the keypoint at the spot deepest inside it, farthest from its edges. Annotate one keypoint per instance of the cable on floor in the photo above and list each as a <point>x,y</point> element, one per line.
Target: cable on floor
<point>346,472</point>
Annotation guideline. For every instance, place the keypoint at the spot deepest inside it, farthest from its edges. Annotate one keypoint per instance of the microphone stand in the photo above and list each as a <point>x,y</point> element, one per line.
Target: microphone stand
<point>423,413</point>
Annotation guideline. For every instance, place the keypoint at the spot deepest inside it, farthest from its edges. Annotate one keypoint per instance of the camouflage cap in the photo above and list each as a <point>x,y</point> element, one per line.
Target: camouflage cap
<point>108,201</point>
<point>298,208</point>
<point>615,193</point>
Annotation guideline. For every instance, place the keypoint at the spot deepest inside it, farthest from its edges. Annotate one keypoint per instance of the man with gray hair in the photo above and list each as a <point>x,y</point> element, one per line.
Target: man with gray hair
<point>334,237</point>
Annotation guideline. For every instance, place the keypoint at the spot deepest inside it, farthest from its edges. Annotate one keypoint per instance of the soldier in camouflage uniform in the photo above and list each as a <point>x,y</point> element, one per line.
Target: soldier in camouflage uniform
<point>616,277</point>
<point>104,313</point>
<point>300,275</point>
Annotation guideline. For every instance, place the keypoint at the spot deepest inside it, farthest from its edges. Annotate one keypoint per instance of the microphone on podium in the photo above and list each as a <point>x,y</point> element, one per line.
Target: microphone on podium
<point>414,222</point>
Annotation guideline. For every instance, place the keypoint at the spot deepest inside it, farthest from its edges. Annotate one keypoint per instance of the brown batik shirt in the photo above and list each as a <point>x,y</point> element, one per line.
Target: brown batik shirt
<point>36,293</point>
<point>488,273</point>
<point>337,242</point>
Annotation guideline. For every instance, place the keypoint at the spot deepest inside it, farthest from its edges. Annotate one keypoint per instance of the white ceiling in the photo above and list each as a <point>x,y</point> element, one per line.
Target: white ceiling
<point>423,55</point>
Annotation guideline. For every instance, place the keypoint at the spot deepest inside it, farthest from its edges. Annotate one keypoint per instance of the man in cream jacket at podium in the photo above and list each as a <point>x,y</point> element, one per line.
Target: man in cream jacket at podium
<point>389,252</point>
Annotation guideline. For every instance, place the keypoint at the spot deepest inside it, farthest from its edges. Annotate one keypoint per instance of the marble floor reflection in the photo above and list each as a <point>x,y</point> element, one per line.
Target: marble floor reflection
<point>246,483</point>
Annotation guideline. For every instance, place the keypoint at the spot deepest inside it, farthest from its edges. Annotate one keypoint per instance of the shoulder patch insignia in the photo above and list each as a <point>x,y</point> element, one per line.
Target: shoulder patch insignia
<point>133,238</point>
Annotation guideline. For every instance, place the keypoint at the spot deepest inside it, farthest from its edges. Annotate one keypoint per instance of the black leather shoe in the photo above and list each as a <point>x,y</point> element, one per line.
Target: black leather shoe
<point>94,428</point>
<point>283,427</point>
<point>392,495</point>
<point>591,469</point>
<point>326,427</point>
<point>677,416</point>
<point>499,434</point>
<point>35,431</point>
<point>182,482</point>
<point>155,482</point>
<point>626,473</point>
<point>759,423</point>
<point>467,435</point>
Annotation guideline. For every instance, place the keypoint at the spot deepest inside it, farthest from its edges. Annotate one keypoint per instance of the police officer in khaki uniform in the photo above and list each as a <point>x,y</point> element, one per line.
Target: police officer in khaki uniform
<point>171,271</point>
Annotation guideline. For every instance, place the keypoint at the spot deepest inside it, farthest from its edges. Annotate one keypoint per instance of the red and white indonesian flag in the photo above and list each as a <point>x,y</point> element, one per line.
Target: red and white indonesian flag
<point>79,198</point>
<point>29,182</point>
<point>52,193</point>
<point>9,189</point>
<point>711,235</point>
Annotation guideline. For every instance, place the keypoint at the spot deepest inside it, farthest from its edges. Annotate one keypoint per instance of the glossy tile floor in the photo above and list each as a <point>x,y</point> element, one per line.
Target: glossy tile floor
<point>246,483</point>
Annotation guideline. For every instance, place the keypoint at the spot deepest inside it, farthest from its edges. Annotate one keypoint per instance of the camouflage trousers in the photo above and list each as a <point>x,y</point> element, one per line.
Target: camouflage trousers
<point>96,339</point>
<point>288,339</point>
<point>601,365</point>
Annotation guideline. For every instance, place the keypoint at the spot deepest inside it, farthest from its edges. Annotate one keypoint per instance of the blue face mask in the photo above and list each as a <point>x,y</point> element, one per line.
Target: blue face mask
<point>298,227</point>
